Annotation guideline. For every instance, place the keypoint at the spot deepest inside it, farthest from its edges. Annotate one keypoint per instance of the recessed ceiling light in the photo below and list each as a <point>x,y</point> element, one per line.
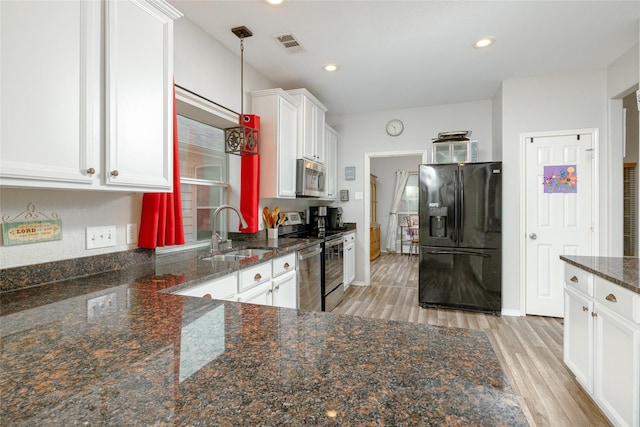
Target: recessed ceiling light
<point>483,42</point>
<point>330,68</point>
<point>274,2</point>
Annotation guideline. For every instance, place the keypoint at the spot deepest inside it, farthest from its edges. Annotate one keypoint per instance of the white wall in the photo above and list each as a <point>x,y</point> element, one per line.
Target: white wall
<point>547,103</point>
<point>365,133</point>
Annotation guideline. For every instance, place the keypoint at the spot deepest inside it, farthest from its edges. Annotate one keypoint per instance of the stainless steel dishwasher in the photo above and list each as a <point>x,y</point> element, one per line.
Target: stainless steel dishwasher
<point>310,278</point>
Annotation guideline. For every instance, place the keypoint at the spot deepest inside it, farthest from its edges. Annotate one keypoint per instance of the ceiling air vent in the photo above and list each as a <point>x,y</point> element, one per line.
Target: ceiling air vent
<point>289,42</point>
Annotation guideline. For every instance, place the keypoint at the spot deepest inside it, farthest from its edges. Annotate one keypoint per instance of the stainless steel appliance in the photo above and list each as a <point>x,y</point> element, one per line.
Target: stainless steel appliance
<point>460,236</point>
<point>310,278</point>
<point>310,178</point>
<point>334,218</point>
<point>333,289</point>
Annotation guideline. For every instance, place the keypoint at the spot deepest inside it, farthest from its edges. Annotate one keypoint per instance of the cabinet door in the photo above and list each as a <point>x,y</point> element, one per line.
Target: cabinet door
<point>287,132</point>
<point>50,103</point>
<point>262,295</point>
<point>223,288</point>
<point>306,130</point>
<point>285,291</point>
<point>578,337</point>
<point>139,110</point>
<point>318,134</point>
<point>459,152</point>
<point>331,160</point>
<point>617,379</point>
<point>441,153</point>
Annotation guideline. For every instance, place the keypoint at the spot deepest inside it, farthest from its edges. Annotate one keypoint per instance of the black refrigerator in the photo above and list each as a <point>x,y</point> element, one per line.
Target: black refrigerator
<point>460,236</point>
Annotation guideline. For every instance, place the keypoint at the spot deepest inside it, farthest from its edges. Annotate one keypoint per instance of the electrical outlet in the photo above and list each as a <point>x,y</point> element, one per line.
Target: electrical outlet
<point>99,306</point>
<point>101,237</point>
<point>132,234</point>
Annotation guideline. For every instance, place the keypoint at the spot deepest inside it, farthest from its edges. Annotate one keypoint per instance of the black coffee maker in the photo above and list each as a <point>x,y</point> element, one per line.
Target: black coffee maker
<point>334,218</point>
<point>317,219</point>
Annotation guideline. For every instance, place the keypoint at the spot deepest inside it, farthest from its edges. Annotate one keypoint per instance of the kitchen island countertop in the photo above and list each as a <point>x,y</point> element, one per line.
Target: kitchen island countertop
<point>623,271</point>
<point>110,349</point>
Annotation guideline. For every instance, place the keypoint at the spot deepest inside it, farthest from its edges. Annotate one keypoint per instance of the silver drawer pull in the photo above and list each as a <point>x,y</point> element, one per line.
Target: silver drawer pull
<point>611,297</point>
<point>286,265</point>
<point>574,279</point>
<point>585,308</point>
<point>257,277</point>
<point>594,314</point>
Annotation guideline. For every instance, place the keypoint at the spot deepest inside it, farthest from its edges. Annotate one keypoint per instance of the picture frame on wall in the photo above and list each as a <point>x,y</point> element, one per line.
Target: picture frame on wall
<point>344,195</point>
<point>350,173</point>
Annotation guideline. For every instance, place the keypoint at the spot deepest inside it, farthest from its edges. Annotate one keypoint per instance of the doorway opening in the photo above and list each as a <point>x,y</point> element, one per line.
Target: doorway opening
<point>421,156</point>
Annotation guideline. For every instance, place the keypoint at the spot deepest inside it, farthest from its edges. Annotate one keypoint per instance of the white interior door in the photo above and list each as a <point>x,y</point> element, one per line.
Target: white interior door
<point>559,214</point>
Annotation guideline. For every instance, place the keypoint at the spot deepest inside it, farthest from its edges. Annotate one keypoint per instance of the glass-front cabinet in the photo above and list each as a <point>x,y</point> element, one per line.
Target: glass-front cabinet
<point>455,152</point>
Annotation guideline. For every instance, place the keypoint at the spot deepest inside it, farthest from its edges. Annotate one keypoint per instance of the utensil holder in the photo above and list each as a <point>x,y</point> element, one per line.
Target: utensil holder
<point>272,233</point>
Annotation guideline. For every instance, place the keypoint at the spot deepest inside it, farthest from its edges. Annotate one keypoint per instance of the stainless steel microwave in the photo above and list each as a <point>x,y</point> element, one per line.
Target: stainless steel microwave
<point>310,178</point>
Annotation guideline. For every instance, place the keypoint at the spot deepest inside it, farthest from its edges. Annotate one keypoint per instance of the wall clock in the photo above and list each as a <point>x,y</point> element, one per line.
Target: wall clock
<point>395,127</point>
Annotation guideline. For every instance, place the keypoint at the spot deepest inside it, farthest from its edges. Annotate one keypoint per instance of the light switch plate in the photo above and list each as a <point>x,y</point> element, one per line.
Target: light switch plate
<point>359,195</point>
<point>132,234</point>
<point>101,237</point>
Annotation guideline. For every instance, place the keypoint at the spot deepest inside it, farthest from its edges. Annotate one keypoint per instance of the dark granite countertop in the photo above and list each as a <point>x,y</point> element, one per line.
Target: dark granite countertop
<point>110,349</point>
<point>623,271</point>
<point>153,358</point>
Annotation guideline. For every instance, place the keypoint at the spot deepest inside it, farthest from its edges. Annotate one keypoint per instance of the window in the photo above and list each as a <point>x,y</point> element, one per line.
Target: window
<point>203,176</point>
<point>409,201</point>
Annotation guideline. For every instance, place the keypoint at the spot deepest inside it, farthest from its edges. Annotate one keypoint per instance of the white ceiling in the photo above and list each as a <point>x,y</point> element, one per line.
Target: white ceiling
<point>400,54</point>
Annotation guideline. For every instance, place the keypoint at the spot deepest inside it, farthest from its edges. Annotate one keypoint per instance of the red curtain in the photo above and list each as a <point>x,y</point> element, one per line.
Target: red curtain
<point>161,221</point>
<point>250,182</point>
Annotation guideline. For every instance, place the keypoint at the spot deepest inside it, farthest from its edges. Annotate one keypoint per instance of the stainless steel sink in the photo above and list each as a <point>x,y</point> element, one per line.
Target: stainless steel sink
<point>238,255</point>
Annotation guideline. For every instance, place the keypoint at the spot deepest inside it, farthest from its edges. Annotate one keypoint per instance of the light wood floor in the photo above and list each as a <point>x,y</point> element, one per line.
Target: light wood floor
<point>529,348</point>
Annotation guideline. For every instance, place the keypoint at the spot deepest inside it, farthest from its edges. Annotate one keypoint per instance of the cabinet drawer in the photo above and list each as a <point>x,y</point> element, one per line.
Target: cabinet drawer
<point>618,299</point>
<point>578,279</point>
<point>223,288</point>
<point>351,237</point>
<point>284,264</point>
<point>252,277</point>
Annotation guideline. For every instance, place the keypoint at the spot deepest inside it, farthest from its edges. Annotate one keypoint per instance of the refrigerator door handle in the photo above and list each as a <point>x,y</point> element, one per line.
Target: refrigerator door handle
<point>461,205</point>
<point>445,252</point>
<point>456,206</point>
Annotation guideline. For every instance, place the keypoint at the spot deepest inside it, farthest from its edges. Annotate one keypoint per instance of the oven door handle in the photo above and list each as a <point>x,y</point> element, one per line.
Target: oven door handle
<point>305,255</point>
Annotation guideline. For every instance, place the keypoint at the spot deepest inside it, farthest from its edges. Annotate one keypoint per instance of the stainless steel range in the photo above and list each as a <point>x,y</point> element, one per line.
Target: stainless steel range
<point>333,289</point>
<point>331,269</point>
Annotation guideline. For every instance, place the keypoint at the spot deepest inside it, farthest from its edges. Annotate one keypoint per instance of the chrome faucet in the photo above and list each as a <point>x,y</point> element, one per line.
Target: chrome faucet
<point>217,242</point>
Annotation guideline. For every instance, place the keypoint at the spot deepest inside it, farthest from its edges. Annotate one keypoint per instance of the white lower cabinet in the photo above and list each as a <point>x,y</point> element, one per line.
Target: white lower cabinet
<point>602,343</point>
<point>578,331</point>
<point>285,291</point>
<point>269,283</point>
<point>349,241</point>
<point>617,373</point>
<point>224,288</point>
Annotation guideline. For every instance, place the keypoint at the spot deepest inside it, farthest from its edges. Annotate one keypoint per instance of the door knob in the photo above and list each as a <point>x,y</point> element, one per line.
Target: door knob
<point>533,236</point>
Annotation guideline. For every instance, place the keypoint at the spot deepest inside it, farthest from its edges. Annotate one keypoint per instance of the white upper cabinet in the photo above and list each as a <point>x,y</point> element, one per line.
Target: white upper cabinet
<point>455,152</point>
<point>277,142</point>
<point>57,128</point>
<point>331,162</point>
<point>311,115</point>
<point>139,87</point>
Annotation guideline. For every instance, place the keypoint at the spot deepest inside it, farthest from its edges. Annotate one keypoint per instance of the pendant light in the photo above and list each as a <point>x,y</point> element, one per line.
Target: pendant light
<point>241,140</point>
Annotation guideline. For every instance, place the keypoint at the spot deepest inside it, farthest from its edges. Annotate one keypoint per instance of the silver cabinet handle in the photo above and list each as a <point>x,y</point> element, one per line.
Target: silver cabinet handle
<point>257,277</point>
<point>574,279</point>
<point>611,297</point>
<point>114,173</point>
<point>533,236</point>
<point>286,265</point>
<point>91,171</point>
<point>585,308</point>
